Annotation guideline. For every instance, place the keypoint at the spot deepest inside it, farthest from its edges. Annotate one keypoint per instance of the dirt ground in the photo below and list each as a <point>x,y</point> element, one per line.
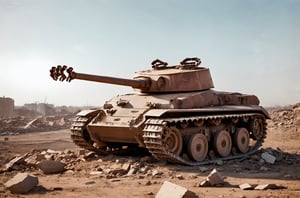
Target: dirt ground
<point>79,182</point>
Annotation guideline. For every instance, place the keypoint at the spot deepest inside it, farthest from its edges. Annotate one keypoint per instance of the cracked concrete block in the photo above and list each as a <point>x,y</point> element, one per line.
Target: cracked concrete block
<point>246,186</point>
<point>215,178</point>
<point>169,189</point>
<point>266,186</point>
<point>268,158</point>
<point>22,183</point>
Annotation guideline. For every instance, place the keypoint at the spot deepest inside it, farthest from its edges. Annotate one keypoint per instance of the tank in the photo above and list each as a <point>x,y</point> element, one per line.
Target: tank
<point>175,113</point>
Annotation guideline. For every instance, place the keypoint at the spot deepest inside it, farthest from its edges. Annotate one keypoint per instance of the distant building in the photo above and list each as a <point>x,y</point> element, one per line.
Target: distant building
<point>7,106</point>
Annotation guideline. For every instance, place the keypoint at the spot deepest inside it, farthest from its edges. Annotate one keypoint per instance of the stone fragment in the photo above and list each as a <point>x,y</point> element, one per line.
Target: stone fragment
<point>263,168</point>
<point>169,189</point>
<point>132,170</point>
<point>34,159</point>
<point>268,158</point>
<point>215,178</point>
<point>81,152</point>
<point>266,186</point>
<point>126,167</point>
<point>245,186</point>
<point>203,169</point>
<point>179,177</point>
<point>51,166</point>
<point>21,183</point>
<point>90,182</point>
<point>156,172</point>
<point>219,162</point>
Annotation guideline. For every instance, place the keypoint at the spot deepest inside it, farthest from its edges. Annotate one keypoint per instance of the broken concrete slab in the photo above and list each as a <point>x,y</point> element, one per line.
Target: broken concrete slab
<point>268,158</point>
<point>169,189</point>
<point>22,183</point>
<point>215,178</point>
<point>51,166</point>
<point>16,160</point>
<point>246,186</point>
<point>267,186</point>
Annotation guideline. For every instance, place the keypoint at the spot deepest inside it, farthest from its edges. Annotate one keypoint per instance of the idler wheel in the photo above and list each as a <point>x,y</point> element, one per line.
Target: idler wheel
<point>257,128</point>
<point>241,139</point>
<point>198,147</point>
<point>173,140</point>
<point>222,143</point>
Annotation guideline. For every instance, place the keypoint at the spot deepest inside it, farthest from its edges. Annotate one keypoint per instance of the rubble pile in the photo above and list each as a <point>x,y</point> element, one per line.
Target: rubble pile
<point>21,124</point>
<point>114,168</point>
<point>286,117</point>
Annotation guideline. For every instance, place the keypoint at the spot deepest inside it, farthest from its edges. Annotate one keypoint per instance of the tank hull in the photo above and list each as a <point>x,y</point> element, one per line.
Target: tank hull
<point>143,119</point>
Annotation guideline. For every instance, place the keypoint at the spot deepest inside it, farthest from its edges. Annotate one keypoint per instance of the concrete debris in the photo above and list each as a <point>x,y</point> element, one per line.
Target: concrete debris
<point>215,178</point>
<point>268,158</point>
<point>21,124</point>
<point>246,186</point>
<point>14,162</point>
<point>51,167</point>
<point>169,189</point>
<point>285,117</point>
<point>204,183</point>
<point>267,186</point>
<point>22,183</point>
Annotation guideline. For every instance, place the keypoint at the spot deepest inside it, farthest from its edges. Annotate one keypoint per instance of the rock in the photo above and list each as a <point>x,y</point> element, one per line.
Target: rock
<point>126,167</point>
<point>51,166</point>
<point>81,152</point>
<point>263,168</point>
<point>169,189</point>
<point>96,172</point>
<point>266,186</point>
<point>245,186</point>
<point>132,170</point>
<point>219,162</point>
<point>34,159</point>
<point>203,169</point>
<point>268,158</point>
<point>156,172</point>
<point>215,178</point>
<point>179,177</point>
<point>89,182</point>
<point>22,183</point>
<point>90,155</point>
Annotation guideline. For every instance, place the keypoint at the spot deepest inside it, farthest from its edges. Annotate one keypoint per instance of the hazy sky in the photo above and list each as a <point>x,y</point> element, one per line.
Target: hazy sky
<point>251,47</point>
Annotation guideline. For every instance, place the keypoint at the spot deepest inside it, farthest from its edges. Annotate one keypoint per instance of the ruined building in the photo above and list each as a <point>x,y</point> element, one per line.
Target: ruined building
<point>7,106</point>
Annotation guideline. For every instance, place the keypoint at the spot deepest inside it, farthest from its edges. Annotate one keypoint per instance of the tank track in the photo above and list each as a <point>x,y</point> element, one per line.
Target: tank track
<point>155,127</point>
<point>78,135</point>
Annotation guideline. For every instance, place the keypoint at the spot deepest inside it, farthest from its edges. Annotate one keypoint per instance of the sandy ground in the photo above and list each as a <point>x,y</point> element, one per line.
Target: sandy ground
<point>81,184</point>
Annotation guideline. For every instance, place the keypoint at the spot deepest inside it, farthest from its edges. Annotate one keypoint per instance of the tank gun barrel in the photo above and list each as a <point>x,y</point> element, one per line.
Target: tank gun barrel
<point>58,73</point>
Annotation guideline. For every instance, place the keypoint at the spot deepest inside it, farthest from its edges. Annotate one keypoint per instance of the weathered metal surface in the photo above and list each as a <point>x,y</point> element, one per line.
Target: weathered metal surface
<point>177,116</point>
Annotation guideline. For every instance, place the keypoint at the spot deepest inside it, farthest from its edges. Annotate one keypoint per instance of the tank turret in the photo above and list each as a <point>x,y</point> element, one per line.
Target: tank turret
<point>187,76</point>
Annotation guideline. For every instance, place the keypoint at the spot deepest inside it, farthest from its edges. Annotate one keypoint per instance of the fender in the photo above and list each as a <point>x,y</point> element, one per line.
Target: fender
<point>89,112</point>
<point>217,109</point>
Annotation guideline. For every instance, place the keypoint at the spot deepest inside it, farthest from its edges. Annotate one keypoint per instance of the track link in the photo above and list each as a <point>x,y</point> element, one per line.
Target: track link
<point>78,135</point>
<point>155,127</point>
